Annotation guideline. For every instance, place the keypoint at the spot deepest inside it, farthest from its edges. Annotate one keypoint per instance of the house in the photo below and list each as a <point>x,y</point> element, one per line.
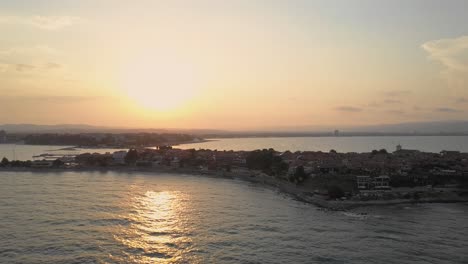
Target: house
<point>42,164</point>
<point>119,157</point>
<point>382,182</point>
<point>363,182</point>
<point>449,154</point>
<point>3,136</point>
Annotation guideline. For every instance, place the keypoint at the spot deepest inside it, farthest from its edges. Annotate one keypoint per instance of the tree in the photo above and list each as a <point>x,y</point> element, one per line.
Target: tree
<point>131,157</point>
<point>57,163</point>
<point>4,162</point>
<point>334,192</point>
<point>383,151</point>
<point>299,175</point>
<point>267,161</point>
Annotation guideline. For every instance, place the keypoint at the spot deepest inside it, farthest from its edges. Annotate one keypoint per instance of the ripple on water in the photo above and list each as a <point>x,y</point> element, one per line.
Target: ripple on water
<point>113,218</point>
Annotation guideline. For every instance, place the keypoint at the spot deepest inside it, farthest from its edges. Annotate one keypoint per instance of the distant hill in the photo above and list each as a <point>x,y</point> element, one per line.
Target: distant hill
<point>439,127</point>
<point>417,127</point>
<point>82,128</point>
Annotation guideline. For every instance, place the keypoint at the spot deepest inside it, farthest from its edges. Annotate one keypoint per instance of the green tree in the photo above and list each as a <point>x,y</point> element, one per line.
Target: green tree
<point>299,175</point>
<point>335,191</point>
<point>4,162</point>
<point>57,163</point>
<point>131,157</point>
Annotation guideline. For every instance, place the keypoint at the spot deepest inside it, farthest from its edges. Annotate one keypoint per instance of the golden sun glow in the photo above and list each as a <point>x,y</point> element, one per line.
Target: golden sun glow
<point>159,82</point>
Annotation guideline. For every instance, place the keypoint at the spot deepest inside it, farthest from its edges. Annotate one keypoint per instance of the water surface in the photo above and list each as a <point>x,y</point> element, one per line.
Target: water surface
<point>26,152</point>
<point>341,144</point>
<point>73,217</point>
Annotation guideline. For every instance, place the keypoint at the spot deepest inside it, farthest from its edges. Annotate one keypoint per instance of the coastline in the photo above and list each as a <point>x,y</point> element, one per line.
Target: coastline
<point>297,192</point>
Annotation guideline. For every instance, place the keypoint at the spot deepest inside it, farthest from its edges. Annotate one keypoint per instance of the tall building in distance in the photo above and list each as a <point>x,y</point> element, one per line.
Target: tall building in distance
<point>3,137</point>
<point>336,133</point>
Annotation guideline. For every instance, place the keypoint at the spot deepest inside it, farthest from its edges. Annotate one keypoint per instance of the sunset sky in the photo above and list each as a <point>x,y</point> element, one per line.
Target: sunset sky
<point>232,64</point>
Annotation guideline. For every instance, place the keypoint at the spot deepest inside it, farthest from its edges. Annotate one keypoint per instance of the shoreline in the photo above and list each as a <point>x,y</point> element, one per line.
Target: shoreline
<point>296,192</point>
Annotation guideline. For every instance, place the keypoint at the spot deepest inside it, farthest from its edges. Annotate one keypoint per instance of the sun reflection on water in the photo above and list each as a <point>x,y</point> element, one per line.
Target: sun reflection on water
<point>157,232</point>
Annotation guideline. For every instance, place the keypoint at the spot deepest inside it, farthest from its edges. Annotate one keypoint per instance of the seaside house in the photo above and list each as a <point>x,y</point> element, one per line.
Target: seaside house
<point>3,136</point>
<point>382,182</point>
<point>364,182</point>
<point>119,157</point>
<point>42,164</point>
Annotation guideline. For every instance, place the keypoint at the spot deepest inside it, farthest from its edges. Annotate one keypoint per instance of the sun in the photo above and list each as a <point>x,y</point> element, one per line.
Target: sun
<point>159,82</point>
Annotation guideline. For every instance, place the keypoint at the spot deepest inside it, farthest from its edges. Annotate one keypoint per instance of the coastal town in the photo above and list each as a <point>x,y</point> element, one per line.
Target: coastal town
<point>376,175</point>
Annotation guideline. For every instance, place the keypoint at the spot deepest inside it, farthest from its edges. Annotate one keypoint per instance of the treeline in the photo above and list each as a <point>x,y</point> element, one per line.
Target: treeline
<point>135,139</point>
<point>267,161</point>
<point>15,163</point>
<point>61,139</point>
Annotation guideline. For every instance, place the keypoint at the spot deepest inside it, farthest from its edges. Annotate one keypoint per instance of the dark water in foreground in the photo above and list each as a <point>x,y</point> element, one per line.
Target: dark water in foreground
<point>143,218</point>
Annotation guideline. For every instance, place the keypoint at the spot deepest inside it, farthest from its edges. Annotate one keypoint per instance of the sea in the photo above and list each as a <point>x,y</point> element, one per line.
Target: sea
<point>28,152</point>
<point>135,217</point>
<point>341,144</point>
<point>111,217</point>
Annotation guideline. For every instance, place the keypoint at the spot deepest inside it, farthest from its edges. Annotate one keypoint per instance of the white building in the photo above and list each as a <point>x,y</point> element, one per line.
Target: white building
<point>119,157</point>
<point>382,182</point>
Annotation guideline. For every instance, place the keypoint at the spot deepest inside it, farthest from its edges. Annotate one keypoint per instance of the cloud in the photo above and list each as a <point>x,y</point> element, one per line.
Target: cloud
<point>392,101</point>
<point>396,93</point>
<point>396,112</point>
<point>42,22</point>
<point>23,59</point>
<point>447,110</point>
<point>4,67</point>
<point>35,50</point>
<point>52,65</point>
<point>53,22</point>
<point>452,54</point>
<point>24,67</point>
<point>350,109</point>
<point>51,98</point>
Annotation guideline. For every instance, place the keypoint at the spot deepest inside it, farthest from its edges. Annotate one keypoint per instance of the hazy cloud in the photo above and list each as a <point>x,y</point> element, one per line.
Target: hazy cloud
<point>351,109</point>
<point>461,100</point>
<point>396,93</point>
<point>452,54</point>
<point>24,67</point>
<point>373,104</point>
<point>396,112</point>
<point>447,110</point>
<point>51,99</point>
<point>42,22</point>
<point>4,67</point>
<point>392,101</point>
<point>53,22</point>
<point>35,50</point>
<point>53,65</point>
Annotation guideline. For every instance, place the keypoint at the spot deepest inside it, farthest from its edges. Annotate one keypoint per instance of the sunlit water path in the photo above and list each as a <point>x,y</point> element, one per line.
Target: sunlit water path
<point>165,218</point>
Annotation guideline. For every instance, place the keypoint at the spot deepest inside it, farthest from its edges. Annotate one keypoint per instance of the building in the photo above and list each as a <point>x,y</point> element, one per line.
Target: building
<point>42,164</point>
<point>119,157</point>
<point>364,182</point>
<point>382,182</point>
<point>3,137</point>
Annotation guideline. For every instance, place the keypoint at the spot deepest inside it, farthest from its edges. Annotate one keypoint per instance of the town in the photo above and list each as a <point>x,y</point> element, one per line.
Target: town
<point>376,175</point>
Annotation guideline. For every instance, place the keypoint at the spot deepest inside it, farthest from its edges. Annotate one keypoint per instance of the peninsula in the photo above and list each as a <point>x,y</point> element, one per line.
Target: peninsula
<point>328,179</point>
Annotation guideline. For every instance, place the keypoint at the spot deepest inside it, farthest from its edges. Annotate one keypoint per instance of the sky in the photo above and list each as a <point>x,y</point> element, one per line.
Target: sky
<point>236,65</point>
